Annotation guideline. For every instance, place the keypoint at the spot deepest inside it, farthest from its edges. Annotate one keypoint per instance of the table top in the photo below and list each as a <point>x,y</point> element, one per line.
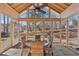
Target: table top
<point>29,43</point>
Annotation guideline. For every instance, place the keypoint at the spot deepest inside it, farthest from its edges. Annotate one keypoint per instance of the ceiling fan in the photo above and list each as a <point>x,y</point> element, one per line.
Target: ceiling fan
<point>38,7</point>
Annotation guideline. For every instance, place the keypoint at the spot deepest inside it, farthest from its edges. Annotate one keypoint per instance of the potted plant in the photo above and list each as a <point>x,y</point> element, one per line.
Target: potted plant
<point>37,37</point>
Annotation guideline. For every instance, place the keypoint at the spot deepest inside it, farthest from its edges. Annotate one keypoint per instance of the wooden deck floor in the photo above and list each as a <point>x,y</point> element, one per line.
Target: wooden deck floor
<point>58,50</point>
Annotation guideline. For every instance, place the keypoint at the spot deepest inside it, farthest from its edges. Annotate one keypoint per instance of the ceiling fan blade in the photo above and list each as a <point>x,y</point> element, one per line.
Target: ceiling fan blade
<point>44,12</point>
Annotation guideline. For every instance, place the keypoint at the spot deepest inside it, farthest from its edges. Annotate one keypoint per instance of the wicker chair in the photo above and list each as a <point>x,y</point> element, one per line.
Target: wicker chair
<point>49,48</point>
<point>23,46</point>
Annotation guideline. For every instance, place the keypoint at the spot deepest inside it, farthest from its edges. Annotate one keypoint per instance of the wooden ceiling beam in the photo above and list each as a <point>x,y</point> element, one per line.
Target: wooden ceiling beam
<point>10,4</point>
<point>68,4</point>
<point>21,6</point>
<point>57,6</point>
<point>25,8</point>
<point>43,19</point>
<point>7,10</point>
<point>15,5</point>
<point>62,5</point>
<point>54,8</point>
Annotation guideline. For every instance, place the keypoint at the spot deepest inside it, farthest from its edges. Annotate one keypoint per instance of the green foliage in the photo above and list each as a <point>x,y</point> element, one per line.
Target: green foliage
<point>37,37</point>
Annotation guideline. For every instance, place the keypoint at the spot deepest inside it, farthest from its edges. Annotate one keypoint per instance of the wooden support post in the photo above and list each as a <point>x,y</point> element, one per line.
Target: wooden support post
<point>21,26</point>
<point>0,28</point>
<point>49,19</point>
<point>1,43</point>
<point>27,30</point>
<point>60,33</point>
<point>52,32</point>
<point>43,27</point>
<point>78,26</point>
<point>27,25</point>
<point>4,24</point>
<point>67,30</point>
<point>19,29</point>
<point>35,29</point>
<point>7,24</point>
<point>11,33</point>
<point>50,26</point>
<point>43,24</point>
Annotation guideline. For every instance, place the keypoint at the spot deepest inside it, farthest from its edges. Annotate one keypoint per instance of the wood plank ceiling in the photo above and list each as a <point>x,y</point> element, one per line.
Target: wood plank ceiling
<point>58,7</point>
<point>19,7</point>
